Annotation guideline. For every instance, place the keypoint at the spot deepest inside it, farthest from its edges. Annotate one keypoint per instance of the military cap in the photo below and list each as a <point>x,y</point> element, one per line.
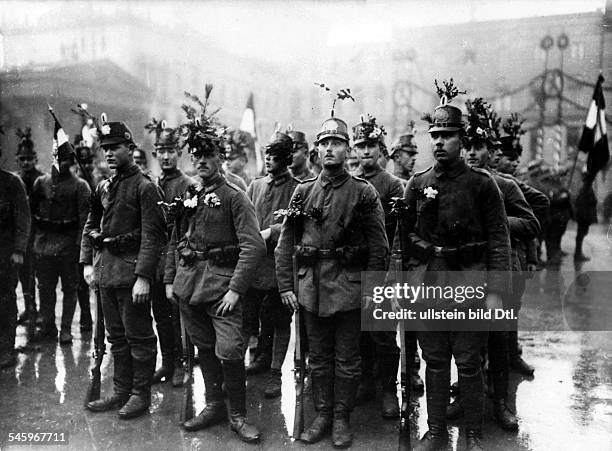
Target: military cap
<point>333,127</point>
<point>280,145</point>
<point>511,144</point>
<point>404,142</point>
<point>510,147</point>
<point>114,133</point>
<point>84,153</point>
<point>25,148</point>
<point>445,117</point>
<point>234,150</point>
<point>368,131</point>
<point>299,138</point>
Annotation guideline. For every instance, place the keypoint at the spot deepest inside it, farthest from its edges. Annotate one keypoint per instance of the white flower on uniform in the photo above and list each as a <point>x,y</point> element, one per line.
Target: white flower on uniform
<point>192,202</point>
<point>430,192</point>
<point>212,200</point>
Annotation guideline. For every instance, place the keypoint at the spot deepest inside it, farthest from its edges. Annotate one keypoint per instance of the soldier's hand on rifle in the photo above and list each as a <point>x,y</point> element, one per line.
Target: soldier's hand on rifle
<point>140,292</point>
<point>289,299</point>
<point>493,301</point>
<point>170,293</point>
<point>265,234</point>
<point>227,303</point>
<point>17,258</point>
<point>88,272</point>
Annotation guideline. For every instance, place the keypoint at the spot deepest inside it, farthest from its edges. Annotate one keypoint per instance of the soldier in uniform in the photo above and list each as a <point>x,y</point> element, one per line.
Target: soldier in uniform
<point>586,214</point>
<point>270,194</point>
<point>340,232</point>
<point>455,210</point>
<point>299,167</point>
<point>369,146</point>
<point>219,249</point>
<point>27,160</point>
<point>14,238</point>
<point>123,238</point>
<point>404,152</point>
<point>173,183</point>
<point>480,142</point>
<point>60,205</point>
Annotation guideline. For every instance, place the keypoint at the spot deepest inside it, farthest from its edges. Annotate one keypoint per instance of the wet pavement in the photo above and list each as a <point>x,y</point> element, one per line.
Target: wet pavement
<point>567,405</point>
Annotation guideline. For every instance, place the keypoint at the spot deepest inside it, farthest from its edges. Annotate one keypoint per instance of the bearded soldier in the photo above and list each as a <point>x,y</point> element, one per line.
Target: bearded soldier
<point>173,183</point>
<point>124,235</point>
<point>339,232</point>
<point>14,237</point>
<point>453,211</point>
<point>27,159</point>
<point>369,146</point>
<point>219,248</point>
<point>270,194</point>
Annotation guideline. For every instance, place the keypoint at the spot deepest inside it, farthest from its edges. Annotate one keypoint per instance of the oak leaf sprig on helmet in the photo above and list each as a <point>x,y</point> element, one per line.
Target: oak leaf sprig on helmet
<point>449,89</point>
<point>202,129</point>
<point>478,119</point>
<point>371,129</point>
<point>513,125</point>
<point>342,94</point>
<point>494,122</point>
<point>155,126</point>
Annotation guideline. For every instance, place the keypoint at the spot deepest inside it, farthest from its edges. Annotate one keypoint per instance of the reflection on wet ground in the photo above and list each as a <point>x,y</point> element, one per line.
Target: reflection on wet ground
<point>567,405</point>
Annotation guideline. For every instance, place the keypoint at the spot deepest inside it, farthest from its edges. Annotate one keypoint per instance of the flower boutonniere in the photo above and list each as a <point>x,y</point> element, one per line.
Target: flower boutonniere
<point>212,200</point>
<point>430,192</point>
<point>293,211</point>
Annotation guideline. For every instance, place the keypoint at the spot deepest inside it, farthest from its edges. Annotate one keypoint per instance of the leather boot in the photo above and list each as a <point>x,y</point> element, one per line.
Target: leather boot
<point>436,390</point>
<point>274,384</point>
<point>29,314</point>
<point>141,389</point>
<point>345,391</point>
<point>166,345</point>
<point>516,361</point>
<point>472,399</point>
<point>387,371</point>
<point>323,396</point>
<point>122,385</point>
<point>504,416</point>
<point>473,438</point>
<point>235,384</point>
<point>215,411</point>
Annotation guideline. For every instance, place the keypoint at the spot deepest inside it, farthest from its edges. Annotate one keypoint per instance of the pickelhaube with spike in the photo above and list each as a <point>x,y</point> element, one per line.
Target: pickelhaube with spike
<point>446,117</point>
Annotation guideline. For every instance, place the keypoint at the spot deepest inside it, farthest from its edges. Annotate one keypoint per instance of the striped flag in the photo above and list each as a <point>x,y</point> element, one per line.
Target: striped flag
<point>61,143</point>
<point>248,125</point>
<point>594,140</point>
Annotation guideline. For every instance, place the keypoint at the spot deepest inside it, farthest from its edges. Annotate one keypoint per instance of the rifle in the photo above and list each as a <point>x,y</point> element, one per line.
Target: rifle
<point>398,209</point>
<point>93,390</point>
<point>188,354</point>
<point>298,362</point>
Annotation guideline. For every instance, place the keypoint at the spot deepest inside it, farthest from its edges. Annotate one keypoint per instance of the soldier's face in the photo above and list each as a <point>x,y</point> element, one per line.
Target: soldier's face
<point>118,156</point>
<point>27,162</point>
<point>273,164</point>
<point>495,157</point>
<point>507,165</point>
<point>404,161</point>
<point>477,155</point>
<point>446,146</point>
<point>333,152</point>
<point>236,164</point>
<point>207,165</point>
<point>168,158</point>
<point>300,155</point>
<point>368,154</point>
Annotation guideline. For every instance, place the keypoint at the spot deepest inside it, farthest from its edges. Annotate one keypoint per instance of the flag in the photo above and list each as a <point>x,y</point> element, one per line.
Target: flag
<point>61,143</point>
<point>594,140</point>
<point>248,125</point>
